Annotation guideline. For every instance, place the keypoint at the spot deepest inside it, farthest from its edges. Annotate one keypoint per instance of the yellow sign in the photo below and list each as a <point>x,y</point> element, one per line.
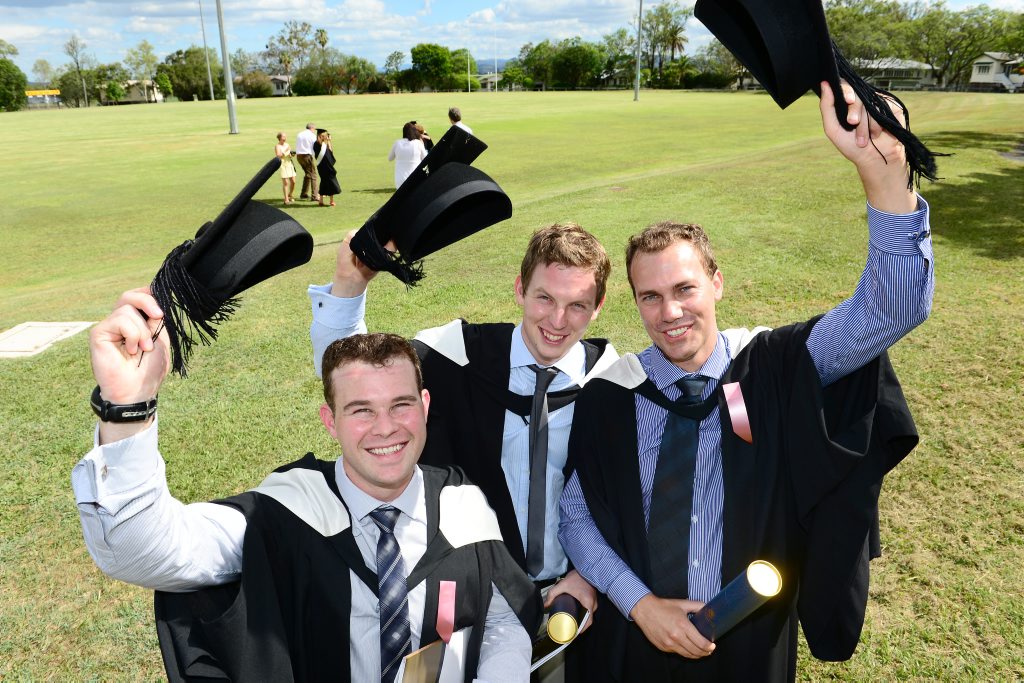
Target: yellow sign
<point>38,93</point>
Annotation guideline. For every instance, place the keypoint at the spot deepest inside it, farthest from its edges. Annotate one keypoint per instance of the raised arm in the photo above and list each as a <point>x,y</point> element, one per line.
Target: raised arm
<point>134,529</point>
<point>894,293</point>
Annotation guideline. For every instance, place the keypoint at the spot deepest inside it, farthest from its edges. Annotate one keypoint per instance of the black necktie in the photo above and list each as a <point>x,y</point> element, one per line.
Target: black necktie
<point>668,532</point>
<point>538,470</point>
<point>395,636</point>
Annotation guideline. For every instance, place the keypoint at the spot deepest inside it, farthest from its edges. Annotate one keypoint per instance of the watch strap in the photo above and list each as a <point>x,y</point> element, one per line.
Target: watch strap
<point>118,412</point>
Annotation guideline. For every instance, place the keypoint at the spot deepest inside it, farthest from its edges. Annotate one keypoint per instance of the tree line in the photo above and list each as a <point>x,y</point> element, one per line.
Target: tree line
<point>930,32</point>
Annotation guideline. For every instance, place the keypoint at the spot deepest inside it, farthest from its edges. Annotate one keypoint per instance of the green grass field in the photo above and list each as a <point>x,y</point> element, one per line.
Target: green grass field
<point>93,200</point>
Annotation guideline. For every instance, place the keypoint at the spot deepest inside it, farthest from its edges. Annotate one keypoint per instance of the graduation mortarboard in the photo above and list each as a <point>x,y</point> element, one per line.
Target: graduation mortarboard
<point>786,46</point>
<point>442,201</point>
<point>320,131</point>
<point>247,243</point>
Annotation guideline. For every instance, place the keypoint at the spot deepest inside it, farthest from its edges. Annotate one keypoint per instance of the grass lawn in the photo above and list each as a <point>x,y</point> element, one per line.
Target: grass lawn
<point>94,199</point>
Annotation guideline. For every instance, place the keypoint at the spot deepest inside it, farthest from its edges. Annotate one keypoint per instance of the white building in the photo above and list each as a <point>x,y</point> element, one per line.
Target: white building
<point>279,85</point>
<point>890,73</point>
<point>997,72</point>
<point>136,92</point>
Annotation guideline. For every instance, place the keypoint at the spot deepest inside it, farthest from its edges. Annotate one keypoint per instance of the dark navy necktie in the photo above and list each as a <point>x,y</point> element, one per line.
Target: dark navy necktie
<point>395,636</point>
<point>538,470</point>
<point>668,531</point>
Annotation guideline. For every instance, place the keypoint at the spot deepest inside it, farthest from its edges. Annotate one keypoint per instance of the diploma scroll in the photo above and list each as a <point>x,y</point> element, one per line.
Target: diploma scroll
<point>738,600</point>
<point>564,618</point>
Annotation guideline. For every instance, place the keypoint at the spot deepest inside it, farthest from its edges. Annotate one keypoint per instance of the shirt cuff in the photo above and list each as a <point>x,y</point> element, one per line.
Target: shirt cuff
<point>625,591</point>
<point>899,233</point>
<point>113,469</point>
<point>330,310</point>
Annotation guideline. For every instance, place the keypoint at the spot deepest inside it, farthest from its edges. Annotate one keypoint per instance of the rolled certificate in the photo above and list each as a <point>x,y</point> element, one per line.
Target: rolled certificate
<point>738,600</point>
<point>564,617</point>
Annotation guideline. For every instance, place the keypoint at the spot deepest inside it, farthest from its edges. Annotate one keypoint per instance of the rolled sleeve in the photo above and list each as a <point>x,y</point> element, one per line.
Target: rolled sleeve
<point>333,318</point>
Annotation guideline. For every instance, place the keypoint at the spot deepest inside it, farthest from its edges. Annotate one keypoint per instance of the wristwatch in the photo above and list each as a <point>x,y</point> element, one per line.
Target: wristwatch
<point>118,412</point>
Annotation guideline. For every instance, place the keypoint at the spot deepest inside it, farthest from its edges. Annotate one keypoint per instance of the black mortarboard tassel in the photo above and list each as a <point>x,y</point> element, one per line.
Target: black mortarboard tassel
<point>440,203</point>
<point>786,46</point>
<point>197,285</point>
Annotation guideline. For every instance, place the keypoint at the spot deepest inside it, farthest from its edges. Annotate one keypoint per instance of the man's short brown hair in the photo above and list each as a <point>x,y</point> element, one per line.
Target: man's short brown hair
<point>379,349</point>
<point>567,244</point>
<point>661,236</point>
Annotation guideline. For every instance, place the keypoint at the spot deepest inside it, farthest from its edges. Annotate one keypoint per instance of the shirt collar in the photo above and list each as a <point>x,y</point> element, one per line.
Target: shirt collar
<point>664,372</point>
<point>573,364</point>
<point>412,501</point>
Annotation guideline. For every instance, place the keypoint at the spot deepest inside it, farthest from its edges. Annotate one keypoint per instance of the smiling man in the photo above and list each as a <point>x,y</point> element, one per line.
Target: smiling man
<point>371,550</point>
<point>490,414</point>
<point>711,449</point>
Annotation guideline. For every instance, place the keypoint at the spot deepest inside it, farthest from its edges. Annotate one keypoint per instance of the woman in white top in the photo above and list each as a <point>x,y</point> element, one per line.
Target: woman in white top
<point>407,152</point>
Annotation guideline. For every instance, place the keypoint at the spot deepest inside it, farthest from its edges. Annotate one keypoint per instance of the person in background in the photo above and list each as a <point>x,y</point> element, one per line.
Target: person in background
<point>428,142</point>
<point>323,151</point>
<point>407,152</point>
<point>455,116</point>
<point>304,154</point>
<point>283,151</point>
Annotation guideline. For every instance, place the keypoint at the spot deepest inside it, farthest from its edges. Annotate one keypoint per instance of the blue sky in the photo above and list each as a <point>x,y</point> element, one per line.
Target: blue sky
<point>368,28</point>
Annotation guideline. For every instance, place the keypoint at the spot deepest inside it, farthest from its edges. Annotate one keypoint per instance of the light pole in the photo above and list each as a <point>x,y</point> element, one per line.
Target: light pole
<point>229,83</point>
<point>206,50</point>
<point>639,23</point>
<point>468,87</point>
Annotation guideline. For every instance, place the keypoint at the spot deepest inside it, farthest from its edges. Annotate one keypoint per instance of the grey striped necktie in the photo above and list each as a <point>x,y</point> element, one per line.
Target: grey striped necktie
<point>395,636</point>
<point>538,470</point>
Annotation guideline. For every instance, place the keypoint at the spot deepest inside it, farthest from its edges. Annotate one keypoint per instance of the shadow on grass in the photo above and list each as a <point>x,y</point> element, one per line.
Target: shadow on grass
<point>983,211</point>
<point>376,190</point>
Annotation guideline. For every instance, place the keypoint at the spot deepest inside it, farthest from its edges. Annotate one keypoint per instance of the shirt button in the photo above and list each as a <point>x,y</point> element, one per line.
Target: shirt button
<point>696,563</point>
<point>104,472</point>
<point>911,235</point>
<point>376,608</point>
<point>319,304</point>
<point>693,519</point>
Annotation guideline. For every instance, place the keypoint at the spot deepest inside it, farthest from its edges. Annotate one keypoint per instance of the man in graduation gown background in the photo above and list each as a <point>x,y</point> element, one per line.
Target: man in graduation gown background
<point>327,570</point>
<point>483,380</point>
<point>711,449</point>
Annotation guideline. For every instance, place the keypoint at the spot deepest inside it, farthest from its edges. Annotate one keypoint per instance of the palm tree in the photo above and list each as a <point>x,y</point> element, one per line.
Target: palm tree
<point>675,39</point>
<point>321,38</point>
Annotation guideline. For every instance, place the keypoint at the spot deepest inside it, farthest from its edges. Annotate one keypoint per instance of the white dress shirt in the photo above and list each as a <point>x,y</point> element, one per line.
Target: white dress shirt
<point>304,141</point>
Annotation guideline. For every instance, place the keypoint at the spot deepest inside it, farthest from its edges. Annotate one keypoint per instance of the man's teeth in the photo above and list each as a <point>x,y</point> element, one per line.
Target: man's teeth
<point>387,450</point>
<point>553,337</point>
<point>676,332</point>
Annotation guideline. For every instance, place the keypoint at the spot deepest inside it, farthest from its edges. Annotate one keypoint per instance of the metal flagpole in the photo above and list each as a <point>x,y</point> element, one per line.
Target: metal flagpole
<point>639,22</point>
<point>206,50</point>
<point>229,82</point>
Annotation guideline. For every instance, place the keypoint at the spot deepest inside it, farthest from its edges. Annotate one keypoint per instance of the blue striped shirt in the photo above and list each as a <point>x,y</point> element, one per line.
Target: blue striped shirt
<point>893,296</point>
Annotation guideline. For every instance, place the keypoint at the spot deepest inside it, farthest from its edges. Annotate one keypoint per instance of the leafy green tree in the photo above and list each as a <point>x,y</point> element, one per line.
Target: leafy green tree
<point>951,41</point>
<point>357,73</point>
<point>242,62</point>
<point>75,49</point>
<point>255,84</point>
<point>164,84</point>
<point>186,71</point>
<point>321,38</point>
<point>292,46</point>
<point>513,75</point>
<point>7,50</point>
<point>460,58</point>
<point>141,63</point>
<point>868,29</point>
<point>393,68</point>
<point>538,61</point>
<point>114,92</point>
<point>716,66</point>
<point>43,72</point>
<point>576,62</point>
<point>103,76</point>
<point>69,83</point>
<point>433,63</point>
<point>664,30</point>
<point>619,51</point>
<point>12,86</point>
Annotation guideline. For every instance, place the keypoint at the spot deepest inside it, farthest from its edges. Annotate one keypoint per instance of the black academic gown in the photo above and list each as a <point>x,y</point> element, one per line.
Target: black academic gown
<point>288,618</point>
<point>803,496</point>
<point>466,370</point>
<point>329,184</point>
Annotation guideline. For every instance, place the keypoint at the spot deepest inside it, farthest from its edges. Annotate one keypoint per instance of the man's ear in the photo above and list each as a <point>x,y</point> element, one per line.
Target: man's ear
<point>597,310</point>
<point>718,282</point>
<point>425,395</point>
<point>327,417</point>
<point>520,292</point>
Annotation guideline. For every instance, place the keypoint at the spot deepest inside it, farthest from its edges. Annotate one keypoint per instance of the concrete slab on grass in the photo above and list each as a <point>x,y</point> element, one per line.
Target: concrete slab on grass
<point>28,339</point>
